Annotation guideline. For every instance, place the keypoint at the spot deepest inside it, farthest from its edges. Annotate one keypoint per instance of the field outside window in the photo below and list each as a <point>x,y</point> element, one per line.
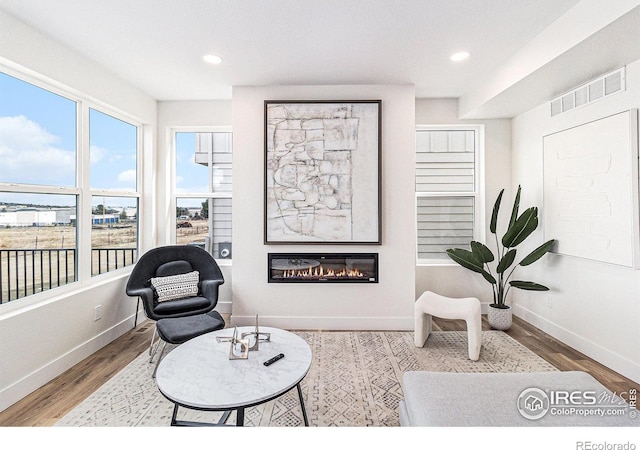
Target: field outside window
<point>114,233</point>
<point>38,243</point>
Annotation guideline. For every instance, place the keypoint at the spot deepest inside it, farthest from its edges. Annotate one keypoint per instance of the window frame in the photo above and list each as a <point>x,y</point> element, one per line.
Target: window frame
<point>81,190</point>
<point>130,194</point>
<point>477,194</point>
<point>173,204</point>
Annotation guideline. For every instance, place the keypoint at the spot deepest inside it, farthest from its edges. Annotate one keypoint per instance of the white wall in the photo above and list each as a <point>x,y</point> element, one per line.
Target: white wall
<point>592,306</point>
<point>386,305</point>
<point>43,335</point>
<point>451,279</point>
<point>181,116</point>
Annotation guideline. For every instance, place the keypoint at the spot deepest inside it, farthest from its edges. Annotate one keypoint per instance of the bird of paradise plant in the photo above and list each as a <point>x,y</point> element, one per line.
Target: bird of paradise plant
<point>478,259</point>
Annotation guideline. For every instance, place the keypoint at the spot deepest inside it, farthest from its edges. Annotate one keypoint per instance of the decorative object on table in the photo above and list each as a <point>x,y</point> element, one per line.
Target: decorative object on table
<point>239,348</point>
<point>322,172</point>
<point>258,336</point>
<point>478,259</point>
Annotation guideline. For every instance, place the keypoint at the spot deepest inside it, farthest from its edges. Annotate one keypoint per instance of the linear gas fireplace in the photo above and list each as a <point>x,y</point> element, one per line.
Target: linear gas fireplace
<point>323,267</point>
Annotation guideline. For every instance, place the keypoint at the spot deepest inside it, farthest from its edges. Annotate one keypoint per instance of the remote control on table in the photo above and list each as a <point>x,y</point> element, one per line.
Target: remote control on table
<point>274,359</point>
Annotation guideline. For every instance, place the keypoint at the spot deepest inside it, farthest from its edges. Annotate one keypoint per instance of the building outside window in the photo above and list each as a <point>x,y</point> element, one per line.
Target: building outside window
<point>448,182</point>
<point>203,177</point>
<point>43,205</point>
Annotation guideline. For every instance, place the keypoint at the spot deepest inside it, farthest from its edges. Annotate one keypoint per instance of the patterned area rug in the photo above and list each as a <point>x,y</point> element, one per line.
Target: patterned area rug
<point>354,381</point>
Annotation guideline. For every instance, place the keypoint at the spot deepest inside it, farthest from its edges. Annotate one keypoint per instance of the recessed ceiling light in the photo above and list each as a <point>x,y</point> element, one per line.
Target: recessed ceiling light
<point>460,56</point>
<point>212,59</point>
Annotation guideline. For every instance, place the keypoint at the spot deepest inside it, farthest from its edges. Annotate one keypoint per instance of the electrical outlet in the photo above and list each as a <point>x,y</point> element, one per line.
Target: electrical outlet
<point>97,313</point>
<point>549,301</point>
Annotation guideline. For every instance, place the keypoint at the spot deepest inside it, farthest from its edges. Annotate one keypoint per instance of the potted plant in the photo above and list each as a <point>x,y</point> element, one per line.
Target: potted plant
<point>478,259</point>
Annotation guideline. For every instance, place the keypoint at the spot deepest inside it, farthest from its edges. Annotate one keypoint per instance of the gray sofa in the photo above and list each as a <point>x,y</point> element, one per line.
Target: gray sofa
<point>511,399</point>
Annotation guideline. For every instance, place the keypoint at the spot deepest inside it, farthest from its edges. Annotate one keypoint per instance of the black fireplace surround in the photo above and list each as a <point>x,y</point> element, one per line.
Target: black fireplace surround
<point>322,268</point>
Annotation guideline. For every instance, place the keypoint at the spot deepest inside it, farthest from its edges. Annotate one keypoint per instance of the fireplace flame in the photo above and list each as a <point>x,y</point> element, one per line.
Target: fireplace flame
<point>320,272</point>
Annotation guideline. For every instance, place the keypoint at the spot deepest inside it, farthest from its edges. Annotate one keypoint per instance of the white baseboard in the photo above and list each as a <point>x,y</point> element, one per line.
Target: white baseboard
<point>605,356</point>
<point>25,386</point>
<point>224,307</point>
<point>328,323</point>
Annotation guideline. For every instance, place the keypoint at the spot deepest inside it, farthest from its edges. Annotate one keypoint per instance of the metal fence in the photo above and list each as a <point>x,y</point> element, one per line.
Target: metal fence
<point>25,272</point>
<point>108,259</point>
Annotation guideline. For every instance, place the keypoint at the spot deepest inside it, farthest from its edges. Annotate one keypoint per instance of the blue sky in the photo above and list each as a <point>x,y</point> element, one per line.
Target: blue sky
<point>38,140</point>
<point>38,146</point>
<point>190,177</point>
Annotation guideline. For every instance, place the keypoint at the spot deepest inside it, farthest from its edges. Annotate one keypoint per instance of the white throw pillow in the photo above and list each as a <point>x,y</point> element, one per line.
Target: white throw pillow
<point>176,286</point>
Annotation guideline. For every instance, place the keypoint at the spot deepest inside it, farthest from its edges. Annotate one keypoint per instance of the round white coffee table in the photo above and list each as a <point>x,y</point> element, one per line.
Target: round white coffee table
<point>199,374</point>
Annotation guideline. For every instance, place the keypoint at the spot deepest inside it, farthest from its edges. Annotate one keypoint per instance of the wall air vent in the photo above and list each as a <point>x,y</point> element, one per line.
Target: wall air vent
<point>597,89</point>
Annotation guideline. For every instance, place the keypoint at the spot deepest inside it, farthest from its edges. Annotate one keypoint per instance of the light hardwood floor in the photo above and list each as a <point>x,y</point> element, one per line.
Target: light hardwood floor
<point>47,405</point>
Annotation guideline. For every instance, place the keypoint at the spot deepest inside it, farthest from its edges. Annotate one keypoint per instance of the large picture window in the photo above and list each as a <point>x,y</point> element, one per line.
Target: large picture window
<point>45,195</point>
<point>203,190</point>
<point>447,190</point>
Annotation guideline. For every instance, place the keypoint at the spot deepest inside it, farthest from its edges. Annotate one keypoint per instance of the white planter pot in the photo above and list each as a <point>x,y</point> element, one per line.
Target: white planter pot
<point>499,319</point>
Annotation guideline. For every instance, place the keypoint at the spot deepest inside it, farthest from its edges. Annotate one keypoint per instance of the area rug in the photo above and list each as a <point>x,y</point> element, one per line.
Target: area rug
<point>354,381</point>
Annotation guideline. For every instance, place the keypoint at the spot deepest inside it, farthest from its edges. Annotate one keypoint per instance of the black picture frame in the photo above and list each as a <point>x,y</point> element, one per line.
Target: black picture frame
<point>322,172</point>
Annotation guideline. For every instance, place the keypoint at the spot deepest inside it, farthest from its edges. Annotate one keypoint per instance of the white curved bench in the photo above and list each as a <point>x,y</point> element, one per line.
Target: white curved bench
<point>431,304</point>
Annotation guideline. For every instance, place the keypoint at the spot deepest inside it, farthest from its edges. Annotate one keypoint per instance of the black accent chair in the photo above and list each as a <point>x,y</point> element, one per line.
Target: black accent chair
<point>174,260</point>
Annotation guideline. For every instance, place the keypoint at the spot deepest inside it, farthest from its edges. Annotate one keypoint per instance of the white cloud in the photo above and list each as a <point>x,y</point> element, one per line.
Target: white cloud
<point>127,177</point>
<point>96,154</point>
<point>29,154</point>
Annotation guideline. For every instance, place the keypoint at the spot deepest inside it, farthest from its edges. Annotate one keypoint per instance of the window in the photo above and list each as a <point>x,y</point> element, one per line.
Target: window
<point>37,135</point>
<point>38,243</point>
<point>38,195</point>
<point>448,205</point>
<point>113,152</point>
<point>114,233</point>
<point>114,205</point>
<point>203,190</point>
<point>45,195</point>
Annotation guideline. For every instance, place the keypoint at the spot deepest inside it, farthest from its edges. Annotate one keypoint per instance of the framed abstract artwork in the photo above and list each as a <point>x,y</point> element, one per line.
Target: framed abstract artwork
<point>322,172</point>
